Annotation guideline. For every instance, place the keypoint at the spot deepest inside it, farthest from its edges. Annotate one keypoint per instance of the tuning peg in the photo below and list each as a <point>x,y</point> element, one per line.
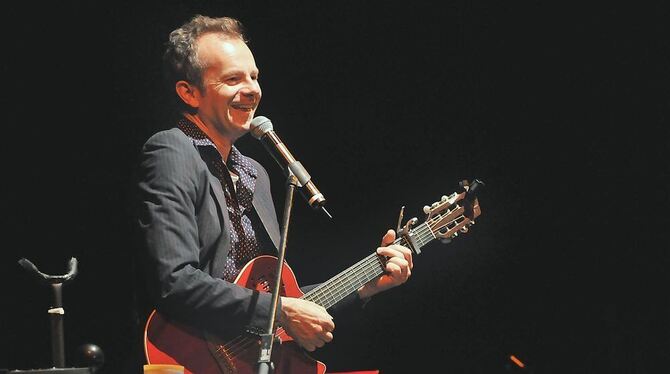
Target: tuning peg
<point>456,233</point>
<point>444,198</point>
<point>426,209</point>
<point>434,205</point>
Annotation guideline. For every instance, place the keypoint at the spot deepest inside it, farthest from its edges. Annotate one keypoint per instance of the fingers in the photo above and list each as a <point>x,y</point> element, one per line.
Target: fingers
<point>387,241</point>
<point>398,269</point>
<point>329,325</point>
<point>398,263</point>
<point>318,341</point>
<point>388,238</point>
<point>325,335</point>
<point>397,251</point>
<point>308,323</point>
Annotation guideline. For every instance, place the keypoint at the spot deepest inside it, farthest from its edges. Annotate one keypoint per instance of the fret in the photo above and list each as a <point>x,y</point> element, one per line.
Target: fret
<point>424,234</point>
<point>346,282</point>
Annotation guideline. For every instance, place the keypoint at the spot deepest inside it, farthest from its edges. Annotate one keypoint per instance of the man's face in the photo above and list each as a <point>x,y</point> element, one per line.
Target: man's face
<point>231,89</point>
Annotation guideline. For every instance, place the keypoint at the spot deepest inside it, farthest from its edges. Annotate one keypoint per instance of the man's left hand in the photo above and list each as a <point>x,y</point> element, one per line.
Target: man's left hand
<point>398,267</point>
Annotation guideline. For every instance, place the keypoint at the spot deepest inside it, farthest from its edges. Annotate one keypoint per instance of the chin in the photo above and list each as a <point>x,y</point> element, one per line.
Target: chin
<point>242,129</point>
<point>242,121</point>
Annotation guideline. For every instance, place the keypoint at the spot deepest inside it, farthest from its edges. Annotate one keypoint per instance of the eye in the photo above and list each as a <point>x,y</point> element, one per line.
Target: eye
<point>232,80</point>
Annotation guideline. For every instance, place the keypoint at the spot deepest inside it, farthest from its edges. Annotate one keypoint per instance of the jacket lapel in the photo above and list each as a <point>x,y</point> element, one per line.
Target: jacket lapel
<point>265,209</point>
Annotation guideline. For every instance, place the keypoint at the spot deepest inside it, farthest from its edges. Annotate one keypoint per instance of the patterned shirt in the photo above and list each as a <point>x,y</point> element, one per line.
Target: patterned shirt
<point>238,177</point>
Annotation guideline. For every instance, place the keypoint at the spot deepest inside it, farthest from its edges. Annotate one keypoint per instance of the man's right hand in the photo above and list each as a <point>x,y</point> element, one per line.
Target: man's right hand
<point>308,323</point>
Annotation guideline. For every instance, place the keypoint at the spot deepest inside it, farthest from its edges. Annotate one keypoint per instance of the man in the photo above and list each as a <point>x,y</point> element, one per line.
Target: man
<point>206,209</point>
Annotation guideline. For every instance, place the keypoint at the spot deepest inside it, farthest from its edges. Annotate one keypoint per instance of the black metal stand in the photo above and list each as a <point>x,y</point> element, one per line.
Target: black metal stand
<point>56,313</point>
<point>264,360</point>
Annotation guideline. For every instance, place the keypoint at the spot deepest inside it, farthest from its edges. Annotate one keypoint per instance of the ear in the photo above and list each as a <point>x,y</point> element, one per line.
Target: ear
<point>188,93</point>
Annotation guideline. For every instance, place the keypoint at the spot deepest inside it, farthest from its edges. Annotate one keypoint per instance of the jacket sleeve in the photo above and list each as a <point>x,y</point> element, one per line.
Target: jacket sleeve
<point>173,179</point>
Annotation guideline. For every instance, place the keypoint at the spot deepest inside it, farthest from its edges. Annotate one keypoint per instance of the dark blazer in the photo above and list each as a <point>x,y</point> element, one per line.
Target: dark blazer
<point>186,234</point>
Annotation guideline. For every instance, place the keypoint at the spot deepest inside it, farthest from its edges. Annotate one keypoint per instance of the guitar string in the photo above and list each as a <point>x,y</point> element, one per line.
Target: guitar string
<point>329,296</point>
<point>324,294</point>
<point>365,262</point>
<point>320,295</point>
<point>321,292</point>
<point>367,265</point>
<point>241,343</point>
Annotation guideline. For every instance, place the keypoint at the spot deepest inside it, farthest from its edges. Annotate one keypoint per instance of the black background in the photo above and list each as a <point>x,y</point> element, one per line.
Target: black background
<point>561,109</point>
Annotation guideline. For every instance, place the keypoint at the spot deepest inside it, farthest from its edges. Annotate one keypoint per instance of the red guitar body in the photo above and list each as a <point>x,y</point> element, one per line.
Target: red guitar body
<point>169,342</point>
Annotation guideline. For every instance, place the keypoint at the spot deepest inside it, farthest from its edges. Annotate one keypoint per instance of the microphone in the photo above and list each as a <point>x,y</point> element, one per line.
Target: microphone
<point>261,129</point>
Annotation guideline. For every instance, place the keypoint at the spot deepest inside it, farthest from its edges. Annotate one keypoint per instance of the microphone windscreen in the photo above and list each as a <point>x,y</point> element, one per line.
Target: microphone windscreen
<point>260,126</point>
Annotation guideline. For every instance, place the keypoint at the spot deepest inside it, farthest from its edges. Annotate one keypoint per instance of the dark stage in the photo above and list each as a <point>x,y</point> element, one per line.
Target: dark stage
<point>561,109</point>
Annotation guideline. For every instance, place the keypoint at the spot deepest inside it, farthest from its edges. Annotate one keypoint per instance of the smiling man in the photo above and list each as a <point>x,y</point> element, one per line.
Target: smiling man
<point>206,209</point>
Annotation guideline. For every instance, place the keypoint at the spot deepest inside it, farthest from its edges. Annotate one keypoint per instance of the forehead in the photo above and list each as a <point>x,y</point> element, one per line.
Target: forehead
<point>218,51</point>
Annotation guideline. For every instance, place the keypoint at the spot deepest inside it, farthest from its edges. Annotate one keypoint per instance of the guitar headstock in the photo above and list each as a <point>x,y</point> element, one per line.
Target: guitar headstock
<point>445,218</point>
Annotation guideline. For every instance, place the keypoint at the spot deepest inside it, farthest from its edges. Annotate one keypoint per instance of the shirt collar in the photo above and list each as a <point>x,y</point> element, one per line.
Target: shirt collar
<point>236,160</point>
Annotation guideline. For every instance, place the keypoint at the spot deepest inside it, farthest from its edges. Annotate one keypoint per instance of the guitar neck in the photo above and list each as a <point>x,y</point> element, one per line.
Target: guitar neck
<point>350,280</point>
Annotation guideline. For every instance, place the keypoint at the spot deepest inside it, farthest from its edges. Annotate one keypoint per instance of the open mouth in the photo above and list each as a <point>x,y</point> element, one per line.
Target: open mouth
<point>244,107</point>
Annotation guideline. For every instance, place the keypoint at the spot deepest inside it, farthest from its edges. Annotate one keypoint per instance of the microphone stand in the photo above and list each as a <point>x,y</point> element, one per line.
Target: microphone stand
<point>264,360</point>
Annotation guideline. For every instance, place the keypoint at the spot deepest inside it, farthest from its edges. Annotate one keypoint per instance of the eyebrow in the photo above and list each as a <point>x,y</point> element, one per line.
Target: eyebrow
<point>238,72</point>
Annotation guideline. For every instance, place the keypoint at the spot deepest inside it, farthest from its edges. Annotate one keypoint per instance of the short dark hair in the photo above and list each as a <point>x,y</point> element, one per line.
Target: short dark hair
<point>180,59</point>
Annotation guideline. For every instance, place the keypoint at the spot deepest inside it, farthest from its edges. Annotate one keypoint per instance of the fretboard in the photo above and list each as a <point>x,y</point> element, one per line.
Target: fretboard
<point>350,280</point>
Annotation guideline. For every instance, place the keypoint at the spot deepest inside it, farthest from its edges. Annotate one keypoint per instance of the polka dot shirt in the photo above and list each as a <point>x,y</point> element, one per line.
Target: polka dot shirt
<point>238,177</point>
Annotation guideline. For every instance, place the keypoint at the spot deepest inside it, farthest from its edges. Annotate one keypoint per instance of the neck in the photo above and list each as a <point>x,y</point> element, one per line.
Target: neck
<point>223,144</point>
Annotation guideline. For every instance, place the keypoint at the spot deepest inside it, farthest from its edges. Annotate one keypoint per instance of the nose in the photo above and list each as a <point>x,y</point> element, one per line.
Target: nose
<point>251,90</point>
